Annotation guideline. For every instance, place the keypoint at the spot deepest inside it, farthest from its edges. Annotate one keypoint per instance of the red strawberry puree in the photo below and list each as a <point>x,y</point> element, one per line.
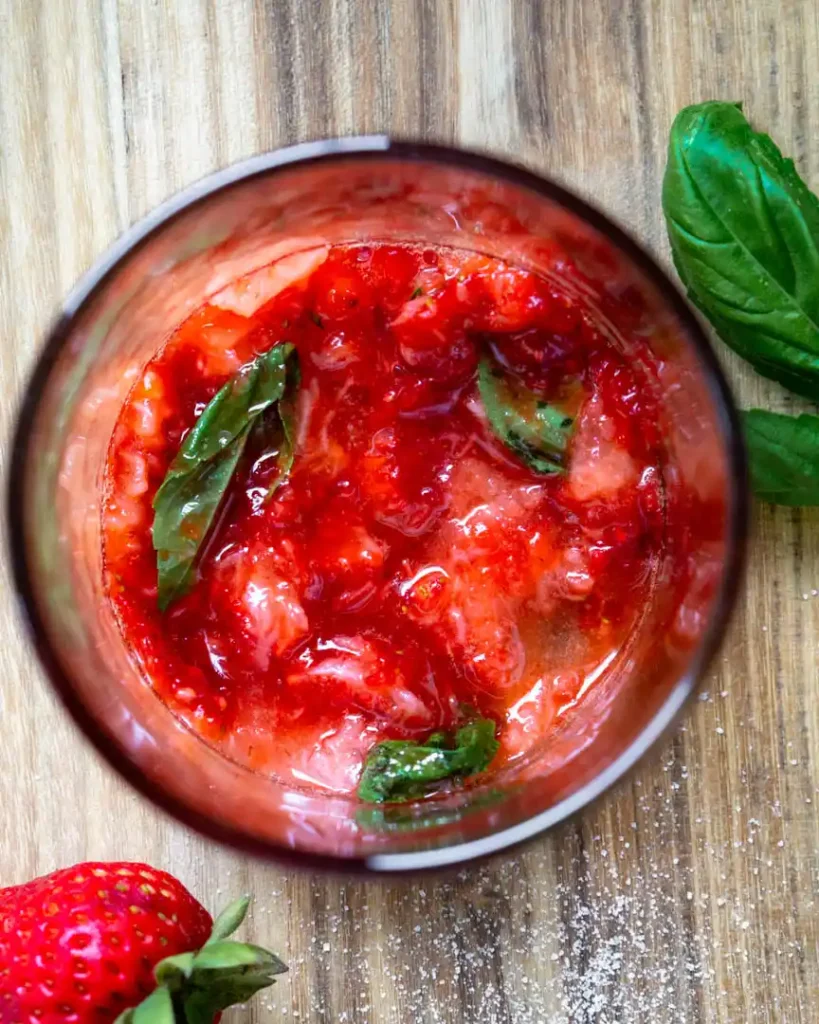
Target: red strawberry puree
<point>412,562</point>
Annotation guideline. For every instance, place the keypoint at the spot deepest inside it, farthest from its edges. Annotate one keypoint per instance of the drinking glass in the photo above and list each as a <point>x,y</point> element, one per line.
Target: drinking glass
<point>368,189</point>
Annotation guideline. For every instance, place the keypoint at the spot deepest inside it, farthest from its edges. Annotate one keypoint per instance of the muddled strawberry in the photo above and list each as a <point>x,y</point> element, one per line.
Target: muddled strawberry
<point>411,560</point>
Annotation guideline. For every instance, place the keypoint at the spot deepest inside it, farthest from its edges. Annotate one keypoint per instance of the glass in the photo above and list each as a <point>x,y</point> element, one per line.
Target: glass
<point>228,225</point>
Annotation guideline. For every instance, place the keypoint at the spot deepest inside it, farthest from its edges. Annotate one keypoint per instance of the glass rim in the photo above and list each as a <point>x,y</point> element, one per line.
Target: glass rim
<point>375,148</point>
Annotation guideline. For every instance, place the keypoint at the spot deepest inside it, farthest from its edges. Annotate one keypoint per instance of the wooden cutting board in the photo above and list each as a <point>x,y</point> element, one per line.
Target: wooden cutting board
<point>689,894</point>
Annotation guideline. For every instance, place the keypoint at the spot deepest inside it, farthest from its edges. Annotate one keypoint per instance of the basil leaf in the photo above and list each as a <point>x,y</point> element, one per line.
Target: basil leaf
<point>475,746</point>
<point>287,417</point>
<point>399,770</point>
<point>784,456</point>
<point>535,431</point>
<point>185,507</point>
<point>197,479</point>
<point>744,233</point>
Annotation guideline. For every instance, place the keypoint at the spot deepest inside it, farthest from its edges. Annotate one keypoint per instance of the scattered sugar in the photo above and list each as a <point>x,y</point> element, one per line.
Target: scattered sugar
<point>606,944</point>
<point>607,920</point>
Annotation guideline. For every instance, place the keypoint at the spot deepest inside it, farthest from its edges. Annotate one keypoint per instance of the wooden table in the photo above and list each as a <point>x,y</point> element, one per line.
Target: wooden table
<point>690,893</point>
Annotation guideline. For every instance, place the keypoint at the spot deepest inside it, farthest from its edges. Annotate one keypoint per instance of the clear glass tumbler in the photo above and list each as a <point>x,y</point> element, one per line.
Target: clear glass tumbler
<point>231,223</point>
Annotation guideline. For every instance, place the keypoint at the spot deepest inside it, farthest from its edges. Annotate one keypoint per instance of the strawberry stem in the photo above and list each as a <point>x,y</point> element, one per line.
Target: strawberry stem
<point>194,987</point>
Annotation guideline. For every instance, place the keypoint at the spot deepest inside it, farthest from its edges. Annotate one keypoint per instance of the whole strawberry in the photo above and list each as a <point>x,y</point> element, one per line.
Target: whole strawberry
<point>88,943</point>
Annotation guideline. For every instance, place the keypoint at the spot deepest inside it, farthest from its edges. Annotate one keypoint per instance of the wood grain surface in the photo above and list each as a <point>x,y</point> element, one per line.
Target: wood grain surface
<point>688,895</point>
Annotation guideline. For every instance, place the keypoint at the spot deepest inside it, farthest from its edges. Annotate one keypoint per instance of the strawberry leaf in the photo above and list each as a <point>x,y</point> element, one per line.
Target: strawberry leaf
<point>229,956</point>
<point>156,1009</point>
<point>202,1005</point>
<point>229,920</point>
<point>194,987</point>
<point>173,970</point>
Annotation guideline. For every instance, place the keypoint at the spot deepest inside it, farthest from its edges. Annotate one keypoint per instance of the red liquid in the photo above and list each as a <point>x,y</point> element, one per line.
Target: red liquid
<point>411,563</point>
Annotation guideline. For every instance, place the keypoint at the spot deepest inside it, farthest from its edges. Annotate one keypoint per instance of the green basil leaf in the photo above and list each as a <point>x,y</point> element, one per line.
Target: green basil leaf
<point>475,746</point>
<point>400,770</point>
<point>535,431</point>
<point>744,233</point>
<point>197,479</point>
<point>784,456</point>
<point>185,507</point>
<point>287,418</point>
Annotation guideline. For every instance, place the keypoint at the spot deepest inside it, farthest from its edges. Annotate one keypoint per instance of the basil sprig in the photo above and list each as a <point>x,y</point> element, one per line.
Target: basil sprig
<point>744,232</point>
<point>400,770</point>
<point>536,432</point>
<point>197,479</point>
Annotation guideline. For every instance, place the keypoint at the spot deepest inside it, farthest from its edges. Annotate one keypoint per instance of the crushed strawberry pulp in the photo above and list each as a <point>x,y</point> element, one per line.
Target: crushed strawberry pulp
<point>411,563</point>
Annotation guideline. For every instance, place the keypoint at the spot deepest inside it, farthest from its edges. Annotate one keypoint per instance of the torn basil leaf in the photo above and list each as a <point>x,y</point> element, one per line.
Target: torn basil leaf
<point>196,482</point>
<point>401,770</point>
<point>534,430</point>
